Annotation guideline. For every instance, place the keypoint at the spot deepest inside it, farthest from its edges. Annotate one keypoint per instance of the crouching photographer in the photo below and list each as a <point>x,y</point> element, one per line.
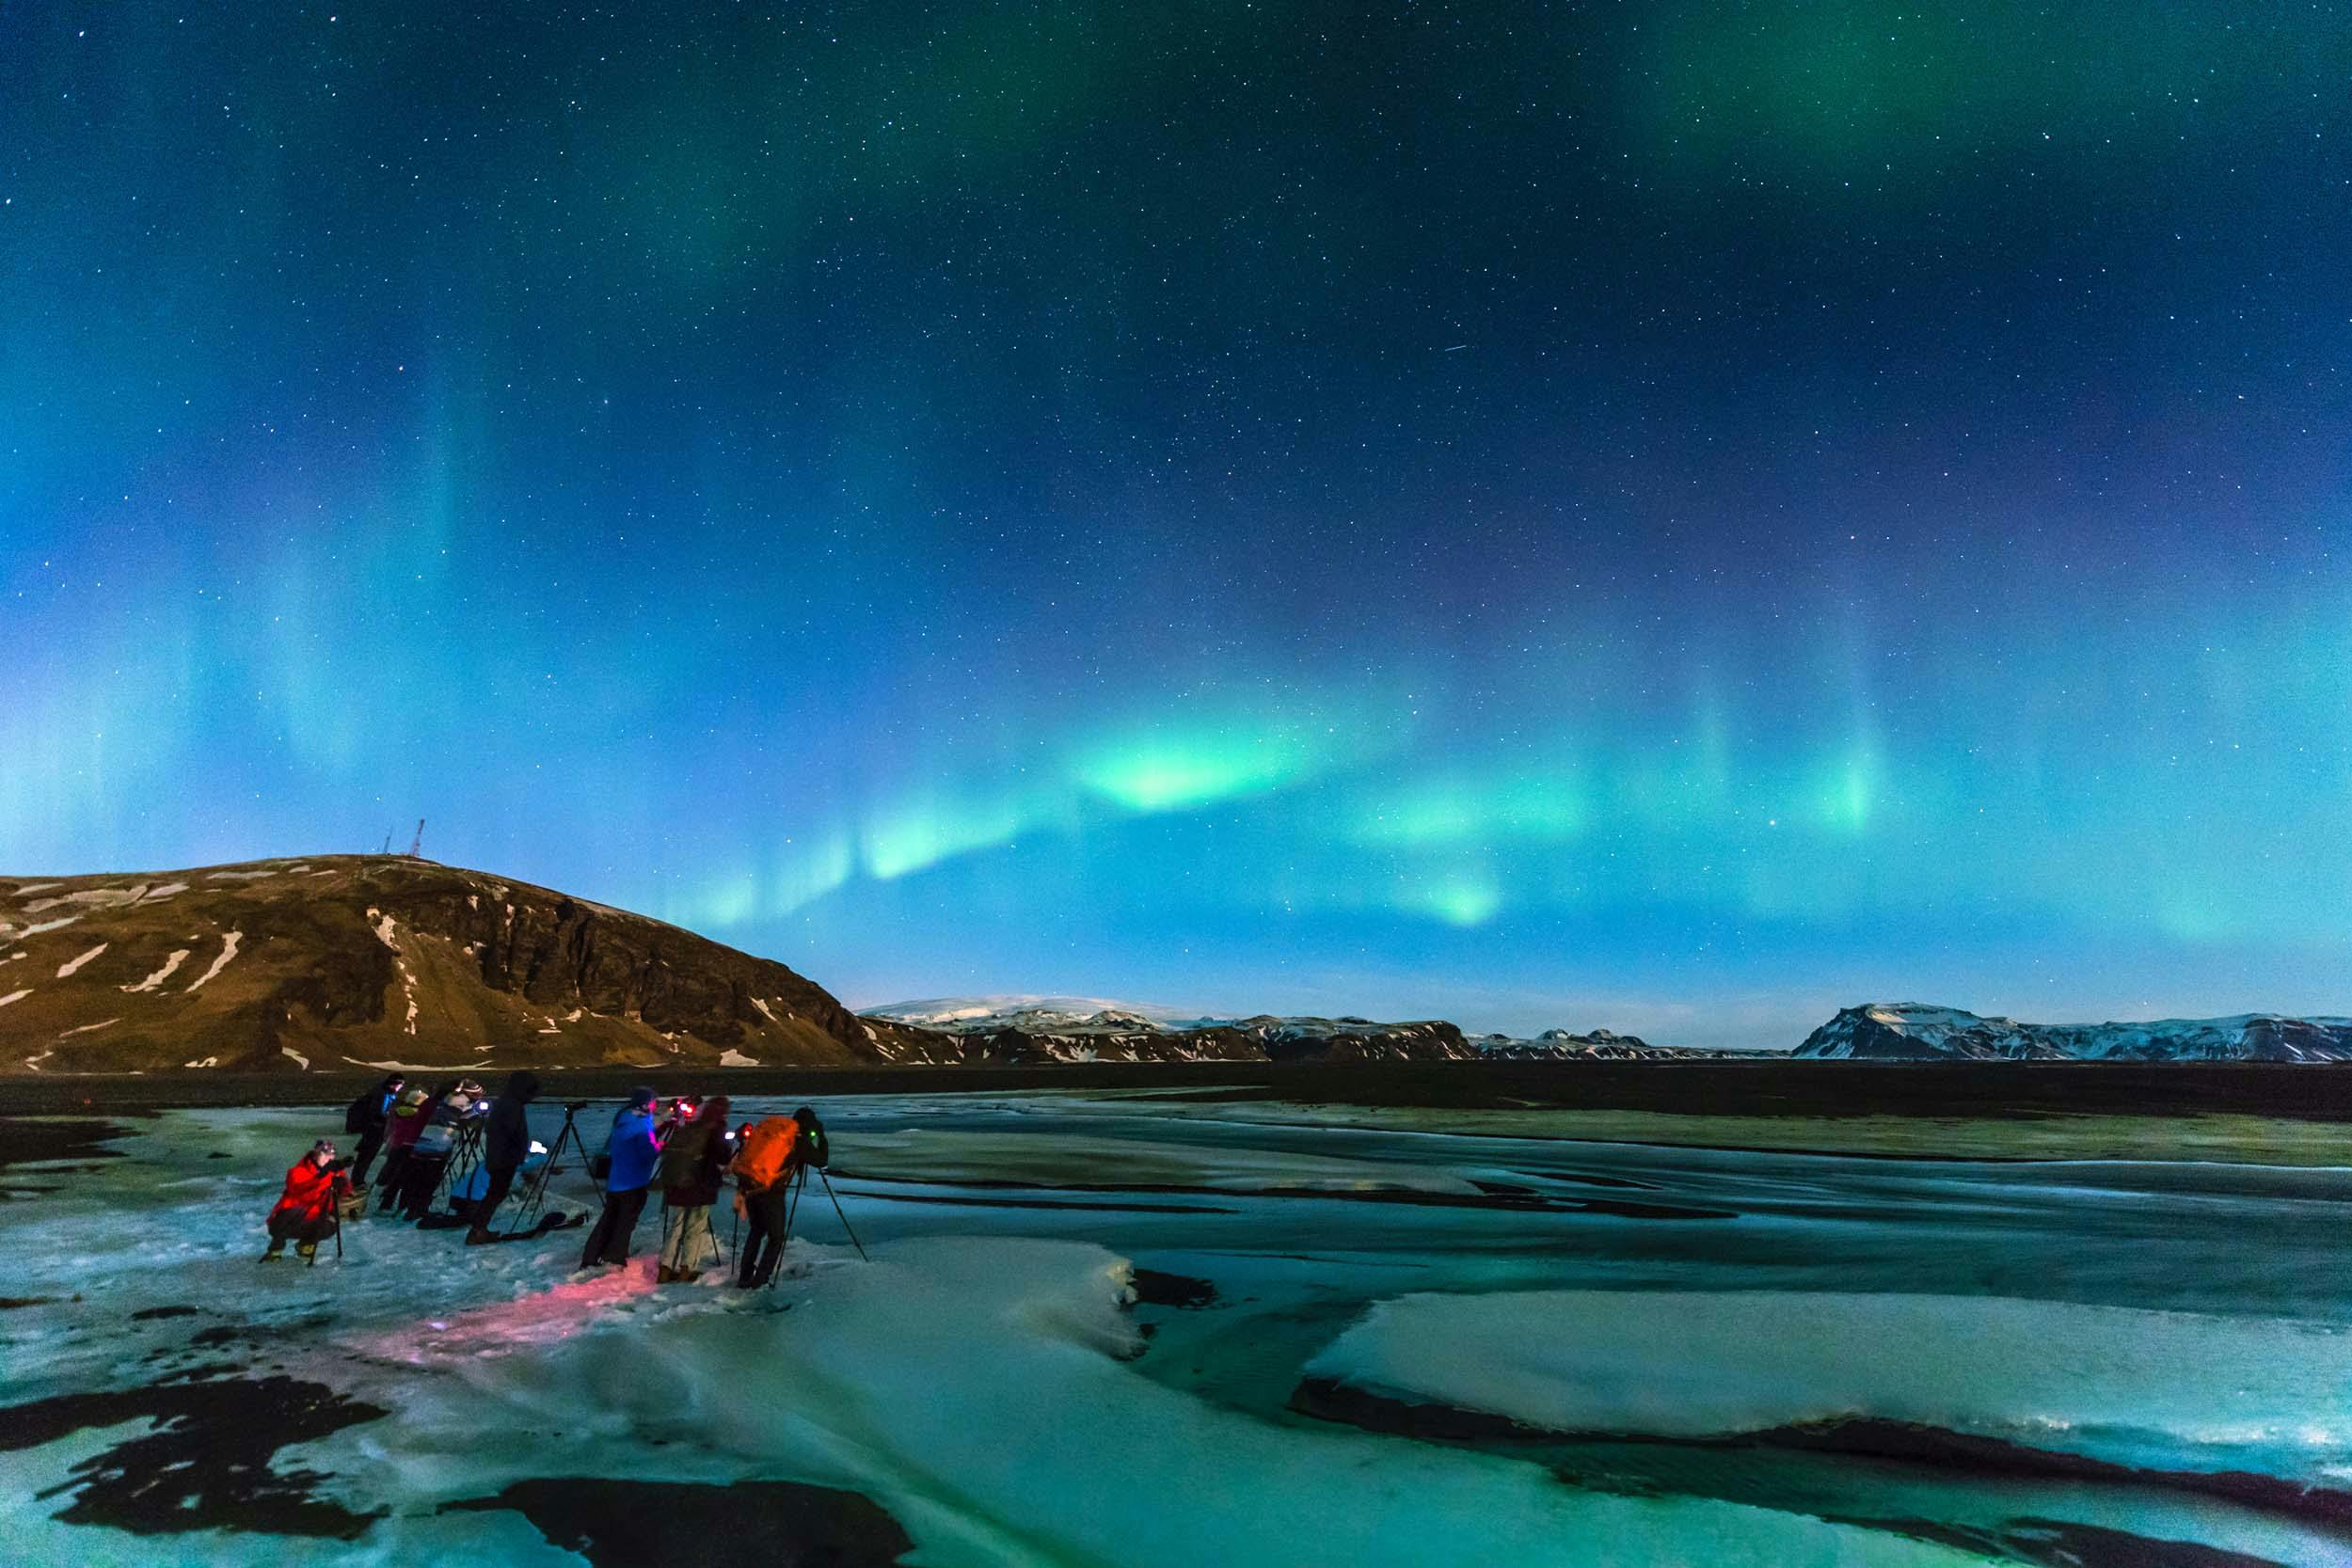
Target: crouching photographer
<point>307,1212</point>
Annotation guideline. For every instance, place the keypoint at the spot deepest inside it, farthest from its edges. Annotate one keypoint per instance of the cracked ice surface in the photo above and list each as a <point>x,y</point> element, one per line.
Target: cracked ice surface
<point>907,1379</point>
<point>981,1380</point>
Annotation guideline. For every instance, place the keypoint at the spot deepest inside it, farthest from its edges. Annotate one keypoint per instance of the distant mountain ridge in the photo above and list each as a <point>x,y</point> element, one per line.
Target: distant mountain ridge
<point>1918,1031</point>
<point>1086,1029</point>
<point>341,961</point>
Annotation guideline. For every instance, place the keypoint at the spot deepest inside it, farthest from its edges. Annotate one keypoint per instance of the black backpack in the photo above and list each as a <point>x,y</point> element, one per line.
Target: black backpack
<point>362,1112</point>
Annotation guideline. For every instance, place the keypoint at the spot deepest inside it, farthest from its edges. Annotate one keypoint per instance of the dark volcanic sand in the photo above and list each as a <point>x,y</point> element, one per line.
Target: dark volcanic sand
<point>774,1523</point>
<point>24,1143</point>
<point>49,1144</point>
<point>207,1464</point>
<point>1158,1287</point>
<point>2316,1092</point>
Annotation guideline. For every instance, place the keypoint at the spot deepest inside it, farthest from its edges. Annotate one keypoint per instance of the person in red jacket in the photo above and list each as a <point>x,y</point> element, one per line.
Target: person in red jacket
<point>305,1214</point>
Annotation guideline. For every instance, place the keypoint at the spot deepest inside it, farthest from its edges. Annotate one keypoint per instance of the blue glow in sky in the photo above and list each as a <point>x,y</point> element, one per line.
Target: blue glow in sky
<point>1519,517</point>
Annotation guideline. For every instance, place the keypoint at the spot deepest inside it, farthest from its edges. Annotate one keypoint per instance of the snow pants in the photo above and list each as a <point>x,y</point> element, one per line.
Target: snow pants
<point>292,1226</point>
<point>767,1221</point>
<point>685,1234</point>
<point>388,1189</point>
<point>369,1141</point>
<point>501,1183</point>
<point>607,1239</point>
<point>418,1178</point>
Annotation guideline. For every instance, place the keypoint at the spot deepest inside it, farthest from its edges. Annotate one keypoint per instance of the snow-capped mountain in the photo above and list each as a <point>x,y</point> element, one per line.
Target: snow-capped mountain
<point>1918,1031</point>
<point>1089,1029</point>
<point>990,1015</point>
<point>1599,1045</point>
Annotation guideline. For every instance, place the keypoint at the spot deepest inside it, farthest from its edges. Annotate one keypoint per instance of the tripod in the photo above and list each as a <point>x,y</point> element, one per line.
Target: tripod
<point>535,1193</point>
<point>844,1218</point>
<point>465,1157</point>
<point>792,1213</point>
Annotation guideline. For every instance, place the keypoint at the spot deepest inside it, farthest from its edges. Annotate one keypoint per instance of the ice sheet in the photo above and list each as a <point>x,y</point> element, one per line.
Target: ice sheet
<point>2161,1391</point>
<point>1075,1159</point>
<point>976,1386</point>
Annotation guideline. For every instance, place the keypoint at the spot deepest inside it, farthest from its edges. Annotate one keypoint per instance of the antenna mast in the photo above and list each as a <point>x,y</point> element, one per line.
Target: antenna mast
<point>387,842</point>
<point>416,844</point>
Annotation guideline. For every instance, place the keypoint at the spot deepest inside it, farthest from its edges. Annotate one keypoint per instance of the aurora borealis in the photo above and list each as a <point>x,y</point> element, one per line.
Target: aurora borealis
<point>1670,516</point>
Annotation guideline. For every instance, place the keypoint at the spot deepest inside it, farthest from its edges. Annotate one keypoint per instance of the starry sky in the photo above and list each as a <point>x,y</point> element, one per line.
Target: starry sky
<point>1675,517</point>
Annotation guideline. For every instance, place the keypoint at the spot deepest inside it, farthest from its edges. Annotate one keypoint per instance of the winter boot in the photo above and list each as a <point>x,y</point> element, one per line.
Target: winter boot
<point>276,1253</point>
<point>309,1252</point>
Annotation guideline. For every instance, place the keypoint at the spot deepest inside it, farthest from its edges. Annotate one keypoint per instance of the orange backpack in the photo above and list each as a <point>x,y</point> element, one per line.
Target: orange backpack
<point>767,1150</point>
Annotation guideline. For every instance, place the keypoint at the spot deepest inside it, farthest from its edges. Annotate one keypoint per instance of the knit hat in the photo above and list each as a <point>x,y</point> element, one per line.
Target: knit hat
<point>325,1147</point>
<point>641,1099</point>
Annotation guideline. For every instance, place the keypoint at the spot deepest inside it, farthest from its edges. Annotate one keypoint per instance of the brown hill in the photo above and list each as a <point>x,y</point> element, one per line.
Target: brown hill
<point>323,963</point>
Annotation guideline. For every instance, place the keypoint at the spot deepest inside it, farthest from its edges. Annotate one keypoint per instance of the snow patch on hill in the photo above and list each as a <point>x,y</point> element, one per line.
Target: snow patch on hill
<point>171,964</point>
<point>228,951</point>
<point>973,1015</point>
<point>73,965</point>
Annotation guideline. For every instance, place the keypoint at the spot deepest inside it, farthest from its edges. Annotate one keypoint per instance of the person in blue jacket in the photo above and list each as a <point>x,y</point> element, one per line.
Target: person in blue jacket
<point>633,1148</point>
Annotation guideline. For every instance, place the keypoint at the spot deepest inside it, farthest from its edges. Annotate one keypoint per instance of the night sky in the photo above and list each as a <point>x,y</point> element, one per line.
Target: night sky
<point>1670,516</point>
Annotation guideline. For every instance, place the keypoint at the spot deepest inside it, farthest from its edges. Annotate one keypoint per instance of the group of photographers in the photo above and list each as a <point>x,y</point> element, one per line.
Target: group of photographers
<point>687,1150</point>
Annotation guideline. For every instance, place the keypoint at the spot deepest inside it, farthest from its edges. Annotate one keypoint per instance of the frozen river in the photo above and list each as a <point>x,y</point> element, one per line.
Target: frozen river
<point>1100,1329</point>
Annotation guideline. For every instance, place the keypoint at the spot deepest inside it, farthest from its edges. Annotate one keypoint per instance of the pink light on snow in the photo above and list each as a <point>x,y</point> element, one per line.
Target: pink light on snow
<point>540,1318</point>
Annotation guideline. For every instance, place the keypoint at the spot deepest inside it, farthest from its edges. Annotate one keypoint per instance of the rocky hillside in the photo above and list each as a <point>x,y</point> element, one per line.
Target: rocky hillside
<point>1605,1045</point>
<point>1916,1031</point>
<point>1028,1029</point>
<point>341,961</point>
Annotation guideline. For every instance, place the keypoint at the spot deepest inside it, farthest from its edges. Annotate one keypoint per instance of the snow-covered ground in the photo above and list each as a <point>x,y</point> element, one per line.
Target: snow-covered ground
<point>989,1380</point>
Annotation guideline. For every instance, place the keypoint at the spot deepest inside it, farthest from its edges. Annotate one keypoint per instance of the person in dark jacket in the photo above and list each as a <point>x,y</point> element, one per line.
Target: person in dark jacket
<point>812,1149</point>
<point>692,1161</point>
<point>304,1214</point>
<point>454,1109</point>
<point>409,1114</point>
<point>633,1148</point>
<point>505,1143</point>
<point>366,1118</point>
